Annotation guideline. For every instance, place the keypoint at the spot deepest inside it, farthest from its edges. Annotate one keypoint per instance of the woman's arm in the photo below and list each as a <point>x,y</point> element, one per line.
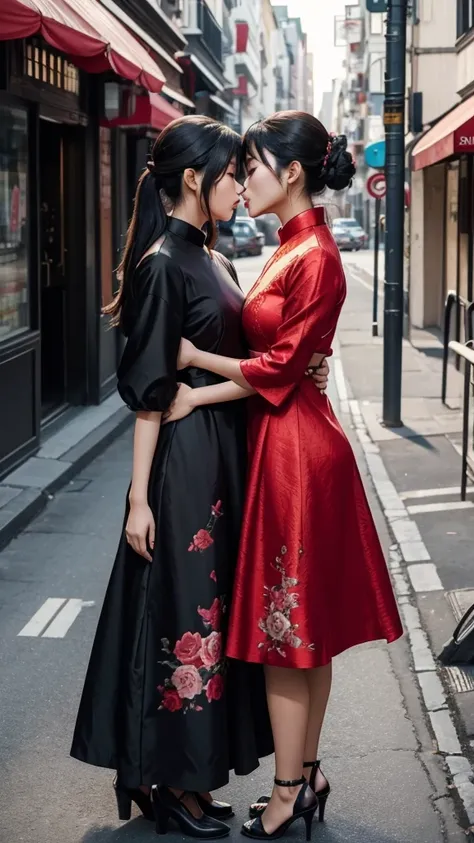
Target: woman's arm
<point>140,527</point>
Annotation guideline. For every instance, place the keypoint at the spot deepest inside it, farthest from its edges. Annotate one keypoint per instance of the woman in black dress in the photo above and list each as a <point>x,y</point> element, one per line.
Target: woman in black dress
<point>160,704</point>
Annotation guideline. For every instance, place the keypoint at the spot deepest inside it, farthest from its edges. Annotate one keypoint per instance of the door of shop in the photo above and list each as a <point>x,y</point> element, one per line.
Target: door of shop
<point>62,256</point>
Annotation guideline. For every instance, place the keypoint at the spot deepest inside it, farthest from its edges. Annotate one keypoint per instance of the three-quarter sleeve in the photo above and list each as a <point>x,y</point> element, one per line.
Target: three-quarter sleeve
<point>147,375</point>
<point>314,292</point>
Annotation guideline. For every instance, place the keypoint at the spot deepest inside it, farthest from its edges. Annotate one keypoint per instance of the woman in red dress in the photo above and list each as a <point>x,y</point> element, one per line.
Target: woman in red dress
<point>311,578</point>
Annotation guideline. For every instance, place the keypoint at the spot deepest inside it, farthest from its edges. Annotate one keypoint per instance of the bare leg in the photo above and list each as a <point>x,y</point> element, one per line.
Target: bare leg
<point>319,683</point>
<point>288,704</point>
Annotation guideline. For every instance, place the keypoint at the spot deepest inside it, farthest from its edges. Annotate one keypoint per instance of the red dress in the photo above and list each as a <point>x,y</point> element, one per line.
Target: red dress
<point>311,579</point>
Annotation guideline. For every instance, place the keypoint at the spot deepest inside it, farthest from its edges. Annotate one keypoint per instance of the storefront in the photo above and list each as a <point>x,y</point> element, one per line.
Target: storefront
<point>63,207</point>
<point>442,235</point>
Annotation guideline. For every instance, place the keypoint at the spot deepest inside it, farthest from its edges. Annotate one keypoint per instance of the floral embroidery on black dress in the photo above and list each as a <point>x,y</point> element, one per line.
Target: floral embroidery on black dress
<point>197,664</point>
<point>277,623</point>
<point>203,538</point>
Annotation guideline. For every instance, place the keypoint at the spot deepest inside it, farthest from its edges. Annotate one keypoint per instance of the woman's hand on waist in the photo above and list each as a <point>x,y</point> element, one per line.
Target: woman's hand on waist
<point>318,370</point>
<point>183,404</point>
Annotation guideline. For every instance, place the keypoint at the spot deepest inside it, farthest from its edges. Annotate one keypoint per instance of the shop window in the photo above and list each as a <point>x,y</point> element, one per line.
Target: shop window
<point>14,313</point>
<point>465,16</point>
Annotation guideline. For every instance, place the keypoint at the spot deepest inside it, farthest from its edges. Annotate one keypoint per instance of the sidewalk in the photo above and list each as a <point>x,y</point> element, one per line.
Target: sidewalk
<point>25,491</point>
<point>416,471</point>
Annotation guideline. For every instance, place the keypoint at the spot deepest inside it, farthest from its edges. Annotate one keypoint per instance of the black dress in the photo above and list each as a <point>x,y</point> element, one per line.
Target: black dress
<point>160,703</point>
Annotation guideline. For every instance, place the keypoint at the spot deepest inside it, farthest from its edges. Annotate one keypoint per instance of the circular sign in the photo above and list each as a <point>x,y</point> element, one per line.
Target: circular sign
<point>376,185</point>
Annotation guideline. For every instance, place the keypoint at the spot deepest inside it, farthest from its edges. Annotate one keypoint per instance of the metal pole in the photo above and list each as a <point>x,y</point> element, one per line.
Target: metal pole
<point>394,119</point>
<point>375,305</point>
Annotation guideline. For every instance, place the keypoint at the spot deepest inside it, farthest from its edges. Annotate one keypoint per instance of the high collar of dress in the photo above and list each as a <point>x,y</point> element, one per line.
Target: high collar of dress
<point>307,219</point>
<point>186,231</point>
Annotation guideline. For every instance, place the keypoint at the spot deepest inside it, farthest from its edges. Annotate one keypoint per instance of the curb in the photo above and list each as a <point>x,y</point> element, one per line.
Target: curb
<point>412,573</point>
<point>26,494</point>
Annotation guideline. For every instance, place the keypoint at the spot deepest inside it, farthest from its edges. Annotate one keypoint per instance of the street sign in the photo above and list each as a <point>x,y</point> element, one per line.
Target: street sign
<point>376,186</point>
<point>377,5</point>
<point>375,155</point>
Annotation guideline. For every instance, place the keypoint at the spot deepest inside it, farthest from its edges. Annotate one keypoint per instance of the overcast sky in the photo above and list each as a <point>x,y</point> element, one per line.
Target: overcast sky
<point>317,17</point>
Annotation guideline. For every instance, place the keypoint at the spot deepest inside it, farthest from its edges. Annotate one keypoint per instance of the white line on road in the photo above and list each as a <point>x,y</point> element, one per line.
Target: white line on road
<point>55,617</point>
<point>43,617</point>
<point>443,506</point>
<point>435,493</point>
<point>364,283</point>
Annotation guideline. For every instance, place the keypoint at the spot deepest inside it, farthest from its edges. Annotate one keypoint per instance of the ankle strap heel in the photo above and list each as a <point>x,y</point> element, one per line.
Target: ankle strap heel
<point>290,782</point>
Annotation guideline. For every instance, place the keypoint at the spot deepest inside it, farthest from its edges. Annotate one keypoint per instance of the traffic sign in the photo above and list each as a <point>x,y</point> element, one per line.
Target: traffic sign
<point>375,155</point>
<point>377,5</point>
<point>376,185</point>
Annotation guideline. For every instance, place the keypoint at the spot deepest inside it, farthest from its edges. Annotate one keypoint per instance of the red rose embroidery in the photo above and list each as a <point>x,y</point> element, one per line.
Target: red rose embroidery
<point>213,576</point>
<point>217,509</point>
<point>215,688</point>
<point>211,649</point>
<point>188,649</point>
<point>187,681</point>
<point>201,541</point>
<point>212,616</point>
<point>172,701</point>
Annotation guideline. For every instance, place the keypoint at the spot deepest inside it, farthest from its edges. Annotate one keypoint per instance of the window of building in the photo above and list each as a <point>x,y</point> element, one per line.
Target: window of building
<point>14,313</point>
<point>465,16</point>
<point>50,68</point>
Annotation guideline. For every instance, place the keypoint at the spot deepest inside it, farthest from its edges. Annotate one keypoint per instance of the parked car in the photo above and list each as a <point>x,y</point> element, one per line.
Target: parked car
<point>359,236</point>
<point>269,224</point>
<point>246,235</point>
<point>225,243</point>
<point>343,238</point>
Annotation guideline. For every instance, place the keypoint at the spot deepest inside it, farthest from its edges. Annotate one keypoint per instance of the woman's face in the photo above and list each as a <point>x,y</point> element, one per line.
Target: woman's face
<point>225,195</point>
<point>263,193</point>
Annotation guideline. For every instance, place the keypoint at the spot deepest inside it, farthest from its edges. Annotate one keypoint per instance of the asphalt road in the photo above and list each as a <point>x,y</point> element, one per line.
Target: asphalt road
<point>388,787</point>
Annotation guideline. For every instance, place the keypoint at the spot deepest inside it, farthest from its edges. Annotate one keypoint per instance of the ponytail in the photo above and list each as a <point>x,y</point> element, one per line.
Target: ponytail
<point>146,226</point>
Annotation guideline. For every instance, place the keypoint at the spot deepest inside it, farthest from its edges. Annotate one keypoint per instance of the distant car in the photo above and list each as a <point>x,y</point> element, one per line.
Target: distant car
<point>246,235</point>
<point>225,243</point>
<point>359,237</point>
<point>343,238</point>
<point>269,224</point>
<point>261,238</point>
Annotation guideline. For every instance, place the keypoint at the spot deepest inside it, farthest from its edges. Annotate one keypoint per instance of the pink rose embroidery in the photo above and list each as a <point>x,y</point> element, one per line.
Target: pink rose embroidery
<point>187,681</point>
<point>211,649</point>
<point>172,701</point>
<point>215,688</point>
<point>201,541</point>
<point>212,616</point>
<point>213,576</point>
<point>277,625</point>
<point>203,538</point>
<point>188,649</point>
<point>277,622</point>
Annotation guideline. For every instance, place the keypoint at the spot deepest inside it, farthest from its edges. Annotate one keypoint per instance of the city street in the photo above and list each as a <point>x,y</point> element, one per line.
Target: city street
<point>389,783</point>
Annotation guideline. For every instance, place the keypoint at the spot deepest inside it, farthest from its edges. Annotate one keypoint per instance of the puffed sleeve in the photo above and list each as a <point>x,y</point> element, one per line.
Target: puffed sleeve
<point>147,375</point>
<point>314,293</point>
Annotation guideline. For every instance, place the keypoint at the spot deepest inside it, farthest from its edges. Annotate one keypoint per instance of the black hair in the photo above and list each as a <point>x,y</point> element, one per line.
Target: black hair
<point>298,136</point>
<point>198,142</point>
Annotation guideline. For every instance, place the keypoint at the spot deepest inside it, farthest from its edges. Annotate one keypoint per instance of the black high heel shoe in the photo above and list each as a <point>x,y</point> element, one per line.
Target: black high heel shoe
<point>321,794</point>
<point>215,809</point>
<point>125,796</point>
<point>166,805</point>
<point>304,808</point>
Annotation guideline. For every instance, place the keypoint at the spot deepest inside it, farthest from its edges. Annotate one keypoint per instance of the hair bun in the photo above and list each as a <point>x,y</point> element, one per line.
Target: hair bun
<point>340,168</point>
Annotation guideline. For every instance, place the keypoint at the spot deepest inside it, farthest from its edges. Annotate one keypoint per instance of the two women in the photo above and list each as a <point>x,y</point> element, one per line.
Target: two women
<point>161,703</point>
<point>311,579</point>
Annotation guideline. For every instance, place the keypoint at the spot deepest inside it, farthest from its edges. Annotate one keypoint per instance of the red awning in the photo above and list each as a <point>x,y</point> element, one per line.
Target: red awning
<point>241,36</point>
<point>452,135</point>
<point>94,39</point>
<point>151,111</point>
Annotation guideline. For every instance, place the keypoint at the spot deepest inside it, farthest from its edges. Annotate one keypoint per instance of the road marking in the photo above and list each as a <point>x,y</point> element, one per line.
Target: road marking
<point>43,617</point>
<point>54,618</point>
<point>443,506</point>
<point>435,493</point>
<point>364,283</point>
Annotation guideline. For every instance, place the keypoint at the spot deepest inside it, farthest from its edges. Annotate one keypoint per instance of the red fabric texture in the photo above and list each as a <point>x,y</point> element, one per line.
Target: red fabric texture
<point>311,578</point>
<point>83,29</point>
